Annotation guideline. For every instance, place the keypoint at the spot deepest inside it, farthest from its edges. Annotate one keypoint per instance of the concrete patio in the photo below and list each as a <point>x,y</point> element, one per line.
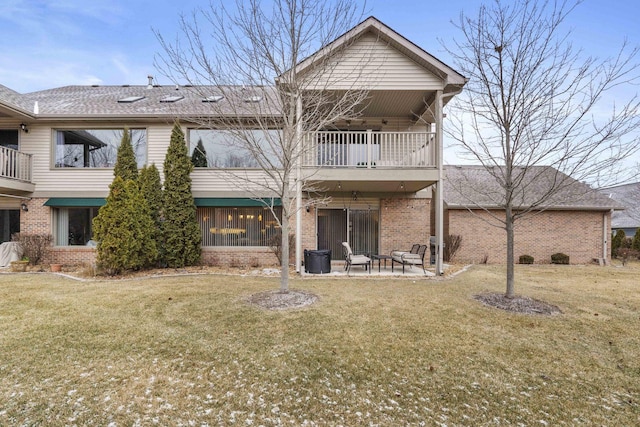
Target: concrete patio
<point>338,270</point>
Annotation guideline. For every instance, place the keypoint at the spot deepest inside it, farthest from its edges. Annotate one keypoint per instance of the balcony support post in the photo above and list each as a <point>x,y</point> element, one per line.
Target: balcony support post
<point>299,150</point>
<point>439,158</point>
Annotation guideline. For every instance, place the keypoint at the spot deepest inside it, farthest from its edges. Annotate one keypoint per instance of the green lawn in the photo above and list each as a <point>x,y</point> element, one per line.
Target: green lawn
<point>189,351</point>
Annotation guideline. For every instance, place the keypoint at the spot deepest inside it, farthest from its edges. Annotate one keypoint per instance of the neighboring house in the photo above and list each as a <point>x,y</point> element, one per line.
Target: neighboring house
<point>627,220</point>
<point>575,221</point>
<point>59,147</point>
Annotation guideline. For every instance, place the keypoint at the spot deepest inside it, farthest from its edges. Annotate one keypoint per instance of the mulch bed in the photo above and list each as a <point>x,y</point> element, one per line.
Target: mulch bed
<point>517,304</point>
<point>277,300</point>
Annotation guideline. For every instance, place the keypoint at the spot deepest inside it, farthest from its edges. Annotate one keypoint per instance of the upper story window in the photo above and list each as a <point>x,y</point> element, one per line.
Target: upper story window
<point>95,148</point>
<point>211,148</point>
<point>9,138</point>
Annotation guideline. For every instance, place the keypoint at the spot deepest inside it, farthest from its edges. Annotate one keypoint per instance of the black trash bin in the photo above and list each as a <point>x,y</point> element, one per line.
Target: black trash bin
<point>317,261</point>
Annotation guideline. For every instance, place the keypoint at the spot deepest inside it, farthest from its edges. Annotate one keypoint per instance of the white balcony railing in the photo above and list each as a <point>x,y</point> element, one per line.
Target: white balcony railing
<point>15,164</point>
<point>369,149</point>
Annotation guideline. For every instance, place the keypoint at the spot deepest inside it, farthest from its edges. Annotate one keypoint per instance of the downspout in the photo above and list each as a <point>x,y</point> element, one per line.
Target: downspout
<point>605,237</point>
<point>299,151</point>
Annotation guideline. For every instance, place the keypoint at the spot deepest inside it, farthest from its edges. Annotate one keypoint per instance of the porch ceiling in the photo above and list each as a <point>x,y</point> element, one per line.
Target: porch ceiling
<point>400,103</point>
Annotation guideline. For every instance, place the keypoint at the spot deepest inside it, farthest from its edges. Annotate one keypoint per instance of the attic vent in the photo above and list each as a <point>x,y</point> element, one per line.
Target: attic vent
<point>171,98</point>
<point>130,99</point>
<point>255,98</point>
<point>213,98</point>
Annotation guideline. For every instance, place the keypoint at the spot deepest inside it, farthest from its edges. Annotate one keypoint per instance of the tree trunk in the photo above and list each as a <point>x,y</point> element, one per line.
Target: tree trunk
<point>510,261</point>
<point>284,261</point>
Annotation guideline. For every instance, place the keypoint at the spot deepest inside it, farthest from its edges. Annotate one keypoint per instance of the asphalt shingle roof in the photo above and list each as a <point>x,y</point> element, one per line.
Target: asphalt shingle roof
<point>627,195</point>
<point>102,101</point>
<point>476,187</point>
<point>13,99</point>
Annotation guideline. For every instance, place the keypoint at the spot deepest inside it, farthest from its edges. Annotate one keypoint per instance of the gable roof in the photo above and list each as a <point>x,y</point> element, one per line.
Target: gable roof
<point>474,187</point>
<point>13,103</point>
<point>451,78</point>
<point>627,195</point>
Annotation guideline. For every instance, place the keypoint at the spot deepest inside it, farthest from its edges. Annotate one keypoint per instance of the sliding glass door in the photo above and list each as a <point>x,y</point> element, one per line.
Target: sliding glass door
<point>359,227</point>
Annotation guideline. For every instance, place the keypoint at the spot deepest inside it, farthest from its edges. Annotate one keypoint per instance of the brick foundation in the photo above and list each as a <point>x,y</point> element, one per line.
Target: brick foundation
<point>575,233</point>
<point>404,222</point>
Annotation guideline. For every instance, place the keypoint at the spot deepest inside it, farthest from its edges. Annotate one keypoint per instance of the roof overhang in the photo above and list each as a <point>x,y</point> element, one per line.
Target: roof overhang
<point>549,208</point>
<point>236,202</point>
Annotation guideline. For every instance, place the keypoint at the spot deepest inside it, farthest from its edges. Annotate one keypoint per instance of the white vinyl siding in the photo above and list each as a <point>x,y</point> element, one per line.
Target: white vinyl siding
<point>84,182</point>
<point>371,63</point>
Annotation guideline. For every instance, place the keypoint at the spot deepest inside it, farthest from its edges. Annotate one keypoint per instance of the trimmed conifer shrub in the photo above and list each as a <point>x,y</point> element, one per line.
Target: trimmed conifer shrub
<point>617,242</point>
<point>180,229</point>
<point>559,258</point>
<point>126,165</point>
<point>199,156</point>
<point>151,189</point>
<point>635,243</point>
<point>123,230</point>
<point>525,259</point>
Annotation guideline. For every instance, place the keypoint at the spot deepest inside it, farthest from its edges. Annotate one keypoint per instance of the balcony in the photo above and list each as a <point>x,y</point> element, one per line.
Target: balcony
<point>370,149</point>
<point>371,161</point>
<point>15,171</point>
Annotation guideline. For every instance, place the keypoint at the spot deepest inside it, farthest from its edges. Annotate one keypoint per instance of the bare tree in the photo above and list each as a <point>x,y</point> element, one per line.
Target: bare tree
<point>533,100</point>
<point>233,56</point>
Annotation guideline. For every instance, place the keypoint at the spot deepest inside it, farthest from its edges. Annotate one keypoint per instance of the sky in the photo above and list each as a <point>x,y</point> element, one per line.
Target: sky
<point>52,43</point>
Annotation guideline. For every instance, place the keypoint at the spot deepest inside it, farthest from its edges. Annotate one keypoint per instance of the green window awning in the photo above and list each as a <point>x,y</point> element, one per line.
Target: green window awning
<point>75,202</point>
<point>234,202</point>
<point>71,202</point>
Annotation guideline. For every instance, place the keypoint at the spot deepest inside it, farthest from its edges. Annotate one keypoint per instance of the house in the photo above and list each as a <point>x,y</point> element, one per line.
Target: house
<point>575,221</point>
<point>59,147</point>
<point>627,220</point>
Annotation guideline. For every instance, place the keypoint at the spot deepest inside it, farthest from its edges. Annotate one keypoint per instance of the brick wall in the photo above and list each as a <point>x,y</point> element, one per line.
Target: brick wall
<point>308,228</point>
<point>575,233</point>
<point>37,220</point>
<point>239,257</point>
<point>404,222</point>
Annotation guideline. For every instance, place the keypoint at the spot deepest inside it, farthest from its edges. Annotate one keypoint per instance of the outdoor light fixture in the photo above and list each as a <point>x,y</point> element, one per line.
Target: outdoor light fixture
<point>24,207</point>
<point>23,126</point>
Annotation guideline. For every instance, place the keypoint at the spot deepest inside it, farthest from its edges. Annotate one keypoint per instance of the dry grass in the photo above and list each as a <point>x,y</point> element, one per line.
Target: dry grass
<point>191,351</point>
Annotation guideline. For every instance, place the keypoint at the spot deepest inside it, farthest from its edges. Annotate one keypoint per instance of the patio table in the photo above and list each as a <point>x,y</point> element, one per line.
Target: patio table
<point>380,258</point>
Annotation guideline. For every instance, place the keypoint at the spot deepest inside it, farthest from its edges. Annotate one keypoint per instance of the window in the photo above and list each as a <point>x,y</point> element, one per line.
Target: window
<point>95,148</point>
<point>9,138</point>
<point>246,226</point>
<point>226,149</point>
<point>9,224</point>
<point>73,225</point>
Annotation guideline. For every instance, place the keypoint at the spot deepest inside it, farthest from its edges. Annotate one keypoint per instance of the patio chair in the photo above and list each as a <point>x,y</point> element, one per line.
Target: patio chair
<point>409,258</point>
<point>351,259</point>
